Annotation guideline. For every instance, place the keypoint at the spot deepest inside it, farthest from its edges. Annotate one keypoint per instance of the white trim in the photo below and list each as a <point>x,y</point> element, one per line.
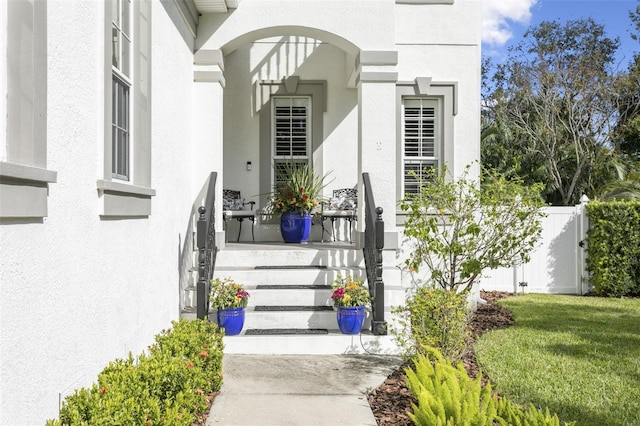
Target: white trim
<point>3,76</point>
<point>125,188</point>
<point>27,173</point>
<point>189,14</point>
<point>115,71</point>
<point>424,1</point>
<point>122,200</point>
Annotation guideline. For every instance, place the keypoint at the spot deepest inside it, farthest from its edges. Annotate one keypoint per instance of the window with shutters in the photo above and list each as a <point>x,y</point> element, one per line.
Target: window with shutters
<point>421,141</point>
<point>291,133</point>
<point>121,42</point>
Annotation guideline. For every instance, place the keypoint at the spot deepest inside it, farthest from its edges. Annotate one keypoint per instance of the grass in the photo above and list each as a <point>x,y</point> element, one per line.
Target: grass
<point>578,356</point>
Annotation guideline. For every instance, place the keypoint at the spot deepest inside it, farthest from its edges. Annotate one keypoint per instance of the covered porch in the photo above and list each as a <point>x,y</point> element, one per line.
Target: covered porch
<point>294,87</point>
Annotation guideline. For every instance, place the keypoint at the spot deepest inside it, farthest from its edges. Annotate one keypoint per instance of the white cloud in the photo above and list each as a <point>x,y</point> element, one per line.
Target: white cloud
<point>497,15</point>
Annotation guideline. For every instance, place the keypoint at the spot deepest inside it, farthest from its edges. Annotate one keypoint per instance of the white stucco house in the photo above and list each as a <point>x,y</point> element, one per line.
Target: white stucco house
<point>114,113</point>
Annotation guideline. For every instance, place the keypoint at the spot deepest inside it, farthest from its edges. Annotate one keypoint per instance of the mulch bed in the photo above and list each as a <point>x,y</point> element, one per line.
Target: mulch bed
<point>391,401</point>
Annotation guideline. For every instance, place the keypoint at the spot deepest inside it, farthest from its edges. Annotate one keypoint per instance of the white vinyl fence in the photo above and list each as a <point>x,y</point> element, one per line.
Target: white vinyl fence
<point>558,265</point>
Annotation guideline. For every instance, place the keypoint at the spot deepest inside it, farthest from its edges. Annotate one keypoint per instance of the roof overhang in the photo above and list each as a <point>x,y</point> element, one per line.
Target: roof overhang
<point>215,6</point>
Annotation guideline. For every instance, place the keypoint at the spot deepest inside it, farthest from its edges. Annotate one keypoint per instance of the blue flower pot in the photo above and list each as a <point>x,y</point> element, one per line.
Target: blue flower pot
<point>295,227</point>
<point>350,319</point>
<point>231,319</point>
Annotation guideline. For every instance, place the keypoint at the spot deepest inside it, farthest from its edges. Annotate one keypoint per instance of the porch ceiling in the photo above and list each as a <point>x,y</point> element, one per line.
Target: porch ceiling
<point>215,6</point>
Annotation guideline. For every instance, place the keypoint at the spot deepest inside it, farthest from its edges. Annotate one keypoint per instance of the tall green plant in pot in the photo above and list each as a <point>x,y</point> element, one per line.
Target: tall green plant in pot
<point>295,195</point>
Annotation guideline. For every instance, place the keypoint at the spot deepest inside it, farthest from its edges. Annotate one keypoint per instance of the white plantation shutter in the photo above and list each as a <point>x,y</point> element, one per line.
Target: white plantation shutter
<point>291,131</point>
<point>421,141</point>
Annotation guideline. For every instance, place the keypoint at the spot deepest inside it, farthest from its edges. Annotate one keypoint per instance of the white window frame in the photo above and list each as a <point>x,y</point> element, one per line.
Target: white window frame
<point>25,180</point>
<point>121,113</point>
<point>425,134</point>
<point>125,190</point>
<point>290,157</point>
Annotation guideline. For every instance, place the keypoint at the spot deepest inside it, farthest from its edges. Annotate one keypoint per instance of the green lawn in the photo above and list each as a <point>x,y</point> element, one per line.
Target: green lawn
<point>579,356</point>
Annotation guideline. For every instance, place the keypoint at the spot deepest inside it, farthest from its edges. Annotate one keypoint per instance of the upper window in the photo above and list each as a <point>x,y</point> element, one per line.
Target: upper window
<point>421,141</point>
<point>291,132</point>
<point>125,190</point>
<point>121,36</point>
<point>120,100</point>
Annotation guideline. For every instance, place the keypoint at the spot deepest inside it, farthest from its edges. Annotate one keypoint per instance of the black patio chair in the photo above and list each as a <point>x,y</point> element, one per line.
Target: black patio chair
<point>343,205</point>
<point>233,207</point>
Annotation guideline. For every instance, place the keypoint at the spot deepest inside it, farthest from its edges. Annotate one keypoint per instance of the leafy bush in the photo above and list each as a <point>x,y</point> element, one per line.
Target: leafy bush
<point>166,387</point>
<point>446,395</point>
<point>434,317</point>
<point>613,247</point>
<point>200,342</point>
<point>460,228</point>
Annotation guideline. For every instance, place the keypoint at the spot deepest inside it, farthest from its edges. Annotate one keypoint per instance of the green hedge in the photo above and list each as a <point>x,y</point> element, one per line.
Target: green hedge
<point>167,386</point>
<point>446,395</point>
<point>613,251</point>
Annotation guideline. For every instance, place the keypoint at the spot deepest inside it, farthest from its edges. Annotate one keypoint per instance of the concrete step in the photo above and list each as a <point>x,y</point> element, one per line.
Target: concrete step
<point>331,343</point>
<point>290,309</point>
<point>281,255</point>
<point>291,295</point>
<point>305,295</point>
<point>251,276</point>
<point>274,254</point>
<point>301,317</point>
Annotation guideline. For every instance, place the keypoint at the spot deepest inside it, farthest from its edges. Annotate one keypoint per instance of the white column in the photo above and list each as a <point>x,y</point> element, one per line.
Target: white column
<point>377,145</point>
<point>207,123</point>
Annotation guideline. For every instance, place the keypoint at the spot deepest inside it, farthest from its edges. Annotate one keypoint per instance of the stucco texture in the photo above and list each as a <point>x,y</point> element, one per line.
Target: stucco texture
<point>78,291</point>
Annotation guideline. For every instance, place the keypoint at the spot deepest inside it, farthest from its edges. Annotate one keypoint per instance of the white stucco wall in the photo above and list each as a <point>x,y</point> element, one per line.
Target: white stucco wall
<point>348,24</point>
<point>438,42</point>
<point>77,291</point>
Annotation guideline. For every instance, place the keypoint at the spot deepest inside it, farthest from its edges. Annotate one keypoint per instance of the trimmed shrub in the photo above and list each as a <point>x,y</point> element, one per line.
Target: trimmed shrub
<point>168,386</point>
<point>198,341</point>
<point>447,396</point>
<point>613,250</point>
<point>434,317</point>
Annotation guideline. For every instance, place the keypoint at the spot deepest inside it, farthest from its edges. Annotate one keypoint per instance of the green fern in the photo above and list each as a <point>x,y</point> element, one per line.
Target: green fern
<point>446,395</point>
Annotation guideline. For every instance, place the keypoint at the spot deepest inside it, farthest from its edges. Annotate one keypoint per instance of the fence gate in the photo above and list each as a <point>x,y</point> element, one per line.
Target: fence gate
<point>557,264</point>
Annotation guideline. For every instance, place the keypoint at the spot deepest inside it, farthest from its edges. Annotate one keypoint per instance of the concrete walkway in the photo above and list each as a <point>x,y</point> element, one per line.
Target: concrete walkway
<point>307,390</point>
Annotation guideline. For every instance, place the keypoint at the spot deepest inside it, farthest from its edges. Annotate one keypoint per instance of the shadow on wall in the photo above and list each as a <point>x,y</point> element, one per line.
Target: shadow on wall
<point>186,249</point>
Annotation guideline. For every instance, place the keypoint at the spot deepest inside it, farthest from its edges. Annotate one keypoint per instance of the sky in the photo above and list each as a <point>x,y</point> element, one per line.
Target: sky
<point>505,21</point>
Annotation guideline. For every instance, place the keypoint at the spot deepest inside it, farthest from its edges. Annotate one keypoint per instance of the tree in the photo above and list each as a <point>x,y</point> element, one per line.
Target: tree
<point>460,229</point>
<point>556,97</point>
<point>627,131</point>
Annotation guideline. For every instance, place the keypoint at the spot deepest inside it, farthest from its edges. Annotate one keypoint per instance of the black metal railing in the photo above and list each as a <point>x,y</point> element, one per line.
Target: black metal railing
<point>207,249</point>
<point>373,245</point>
